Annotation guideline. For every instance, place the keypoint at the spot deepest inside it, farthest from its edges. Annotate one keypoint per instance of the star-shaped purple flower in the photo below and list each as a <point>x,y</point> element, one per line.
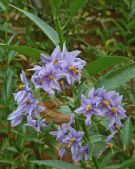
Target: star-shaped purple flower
<point>27,106</point>
<point>88,108</point>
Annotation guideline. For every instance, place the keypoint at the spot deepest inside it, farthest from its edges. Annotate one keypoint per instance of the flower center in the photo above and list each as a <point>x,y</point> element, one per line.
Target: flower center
<point>55,62</point>
<point>27,103</point>
<point>106,102</point>
<point>73,139</point>
<point>62,82</point>
<point>40,81</point>
<point>77,71</point>
<point>110,145</point>
<point>72,68</point>
<point>88,107</point>
<point>51,77</point>
<point>114,109</point>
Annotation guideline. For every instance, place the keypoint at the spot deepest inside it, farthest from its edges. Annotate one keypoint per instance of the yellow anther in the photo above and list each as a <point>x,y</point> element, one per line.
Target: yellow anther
<point>88,107</point>
<point>110,145</point>
<point>21,86</point>
<point>114,109</point>
<point>51,77</point>
<point>106,102</point>
<point>77,71</point>
<point>62,82</point>
<point>71,68</point>
<point>73,139</point>
<point>55,62</point>
<point>74,69</point>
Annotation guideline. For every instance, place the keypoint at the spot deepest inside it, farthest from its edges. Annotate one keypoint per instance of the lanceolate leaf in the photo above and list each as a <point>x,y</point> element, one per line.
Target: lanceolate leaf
<point>47,29</point>
<point>56,164</point>
<point>32,52</point>
<point>76,5</point>
<point>104,63</point>
<point>107,159</point>
<point>12,162</point>
<point>74,8</point>
<point>118,77</point>
<point>127,164</point>
<point>9,82</point>
<point>127,131</point>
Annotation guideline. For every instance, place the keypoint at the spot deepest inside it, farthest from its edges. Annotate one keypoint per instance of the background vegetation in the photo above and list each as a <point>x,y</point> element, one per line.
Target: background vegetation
<point>104,30</point>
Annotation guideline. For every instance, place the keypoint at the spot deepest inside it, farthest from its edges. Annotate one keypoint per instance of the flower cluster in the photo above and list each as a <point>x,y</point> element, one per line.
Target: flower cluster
<point>103,103</point>
<point>60,70</point>
<point>27,107</point>
<point>68,136</point>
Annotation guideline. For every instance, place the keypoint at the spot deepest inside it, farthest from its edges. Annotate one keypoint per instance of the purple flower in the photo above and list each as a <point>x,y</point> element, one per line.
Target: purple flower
<point>64,129</point>
<point>74,139</point>
<point>102,103</point>
<point>88,108</point>
<point>50,79</point>
<point>60,70</point>
<point>55,58</point>
<point>97,95</point>
<point>85,151</point>
<point>27,105</point>
<point>62,152</point>
<point>115,111</point>
<point>36,79</point>
<point>72,67</point>
<point>66,134</point>
<point>37,124</point>
<point>15,118</point>
<point>26,102</point>
<point>65,53</point>
<point>61,132</point>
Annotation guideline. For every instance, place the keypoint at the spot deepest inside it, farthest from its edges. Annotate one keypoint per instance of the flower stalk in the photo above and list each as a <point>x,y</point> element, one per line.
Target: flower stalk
<point>57,22</point>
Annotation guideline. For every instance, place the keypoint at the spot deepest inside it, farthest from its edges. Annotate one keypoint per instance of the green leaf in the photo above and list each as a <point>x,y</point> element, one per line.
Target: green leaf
<point>118,77</point>
<point>74,7</point>
<point>131,25</point>
<point>56,164</point>
<point>98,138</point>
<point>3,6</point>
<point>32,52</point>
<point>104,63</point>
<point>114,166</point>
<point>11,148</point>
<point>9,80</point>
<point>107,159</point>
<point>6,28</point>
<point>12,162</point>
<point>65,109</point>
<point>127,164</point>
<point>47,29</point>
<point>127,131</point>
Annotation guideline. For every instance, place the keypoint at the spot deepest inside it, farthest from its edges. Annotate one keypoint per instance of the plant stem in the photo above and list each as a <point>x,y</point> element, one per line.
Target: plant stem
<point>64,92</point>
<point>60,32</point>
<point>57,23</point>
<point>93,158</point>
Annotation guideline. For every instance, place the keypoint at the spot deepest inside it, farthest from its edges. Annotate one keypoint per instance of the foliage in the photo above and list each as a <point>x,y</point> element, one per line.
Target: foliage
<point>105,33</point>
